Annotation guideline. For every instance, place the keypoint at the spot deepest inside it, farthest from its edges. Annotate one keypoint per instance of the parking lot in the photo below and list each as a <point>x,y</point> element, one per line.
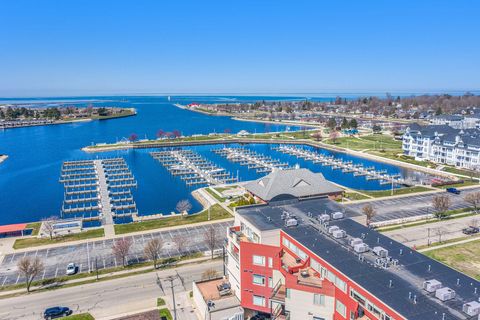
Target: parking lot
<point>410,206</point>
<point>87,256</point>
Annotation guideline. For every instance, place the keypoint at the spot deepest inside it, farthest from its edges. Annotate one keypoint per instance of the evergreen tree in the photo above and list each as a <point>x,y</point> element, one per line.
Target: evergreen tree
<point>345,124</point>
<point>353,124</point>
<point>331,123</point>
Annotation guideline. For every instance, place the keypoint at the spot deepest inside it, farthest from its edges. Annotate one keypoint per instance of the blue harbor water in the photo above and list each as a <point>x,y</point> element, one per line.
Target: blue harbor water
<point>29,179</point>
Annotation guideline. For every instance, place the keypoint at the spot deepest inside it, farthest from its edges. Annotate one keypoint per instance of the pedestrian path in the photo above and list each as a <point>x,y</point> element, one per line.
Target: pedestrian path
<point>106,210</point>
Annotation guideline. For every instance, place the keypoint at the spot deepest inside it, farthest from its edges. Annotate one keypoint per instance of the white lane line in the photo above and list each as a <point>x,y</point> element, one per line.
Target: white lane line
<point>18,277</point>
<point>104,267</point>
<point>13,256</point>
<point>48,250</point>
<point>4,280</point>
<point>56,271</point>
<point>43,276</point>
<point>88,257</point>
<point>80,268</point>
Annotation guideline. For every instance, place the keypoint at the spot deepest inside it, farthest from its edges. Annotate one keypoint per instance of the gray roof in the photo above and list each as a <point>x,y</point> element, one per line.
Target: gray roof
<point>299,183</point>
<point>408,277</point>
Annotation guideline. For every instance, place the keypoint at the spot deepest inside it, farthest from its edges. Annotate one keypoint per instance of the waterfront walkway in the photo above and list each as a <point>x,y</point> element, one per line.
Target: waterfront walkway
<point>107,217</point>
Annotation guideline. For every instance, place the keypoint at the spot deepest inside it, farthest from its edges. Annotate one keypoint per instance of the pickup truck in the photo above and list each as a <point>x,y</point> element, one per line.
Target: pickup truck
<point>453,190</point>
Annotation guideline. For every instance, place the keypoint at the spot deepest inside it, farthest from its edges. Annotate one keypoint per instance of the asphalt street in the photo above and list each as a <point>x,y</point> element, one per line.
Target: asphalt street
<point>114,297</point>
<point>87,256</point>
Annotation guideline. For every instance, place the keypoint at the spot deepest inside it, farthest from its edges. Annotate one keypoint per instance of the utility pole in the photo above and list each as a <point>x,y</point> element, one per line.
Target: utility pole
<point>171,279</point>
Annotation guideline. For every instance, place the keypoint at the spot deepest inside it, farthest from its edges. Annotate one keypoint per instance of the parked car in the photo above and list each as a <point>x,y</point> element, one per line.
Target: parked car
<point>453,190</point>
<point>71,269</point>
<point>56,312</point>
<point>470,230</point>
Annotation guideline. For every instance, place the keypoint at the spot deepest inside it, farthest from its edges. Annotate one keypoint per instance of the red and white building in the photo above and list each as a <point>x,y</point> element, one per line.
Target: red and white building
<point>301,271</point>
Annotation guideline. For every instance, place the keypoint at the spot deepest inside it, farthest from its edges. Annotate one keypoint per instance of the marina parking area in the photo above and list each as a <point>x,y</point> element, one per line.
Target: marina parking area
<point>410,206</point>
<point>176,242</point>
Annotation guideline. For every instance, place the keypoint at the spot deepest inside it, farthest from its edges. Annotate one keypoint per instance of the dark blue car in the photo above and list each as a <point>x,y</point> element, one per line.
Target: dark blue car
<point>453,190</point>
<point>56,312</point>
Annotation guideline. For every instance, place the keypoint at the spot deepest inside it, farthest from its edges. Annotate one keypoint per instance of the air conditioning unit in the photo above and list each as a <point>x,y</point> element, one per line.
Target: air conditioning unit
<point>471,308</point>
<point>291,222</point>
<point>333,228</point>
<point>445,294</point>
<point>339,234</point>
<point>337,215</point>
<point>380,251</point>
<point>354,241</point>
<point>432,285</point>
<point>360,248</point>
<point>323,218</point>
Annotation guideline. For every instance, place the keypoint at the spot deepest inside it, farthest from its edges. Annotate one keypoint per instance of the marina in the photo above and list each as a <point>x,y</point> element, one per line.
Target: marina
<point>252,159</point>
<point>192,168</point>
<point>345,166</point>
<point>98,191</point>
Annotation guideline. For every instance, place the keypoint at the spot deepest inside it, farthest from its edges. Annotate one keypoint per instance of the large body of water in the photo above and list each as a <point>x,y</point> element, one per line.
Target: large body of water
<point>29,187</point>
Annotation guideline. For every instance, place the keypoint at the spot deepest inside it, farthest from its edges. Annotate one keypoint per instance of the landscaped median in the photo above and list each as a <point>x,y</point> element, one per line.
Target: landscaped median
<point>35,242</point>
<point>396,191</point>
<point>217,212</point>
<point>80,316</point>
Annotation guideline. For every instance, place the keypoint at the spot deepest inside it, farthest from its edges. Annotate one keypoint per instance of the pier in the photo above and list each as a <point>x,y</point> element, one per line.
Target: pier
<point>252,159</point>
<point>192,168</point>
<point>98,190</point>
<point>358,170</point>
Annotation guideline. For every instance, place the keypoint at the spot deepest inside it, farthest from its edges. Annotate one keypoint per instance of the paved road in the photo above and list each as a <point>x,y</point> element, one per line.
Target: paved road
<point>56,259</point>
<point>432,232</point>
<point>410,206</point>
<point>110,298</point>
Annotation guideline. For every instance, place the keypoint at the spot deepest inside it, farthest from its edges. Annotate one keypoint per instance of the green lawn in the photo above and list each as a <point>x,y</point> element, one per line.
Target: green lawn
<point>398,191</point>
<point>355,196</point>
<point>215,195</point>
<point>216,212</point>
<point>464,172</point>
<point>371,142</point>
<point>166,313</point>
<point>465,183</point>
<point>80,316</point>
<point>35,226</point>
<point>160,302</point>
<point>464,257</point>
<point>394,155</point>
<point>35,242</point>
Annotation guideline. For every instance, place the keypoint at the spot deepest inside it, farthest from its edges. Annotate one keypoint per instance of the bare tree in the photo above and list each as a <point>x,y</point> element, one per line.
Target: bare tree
<point>183,206</point>
<point>439,232</point>
<point>211,239</point>
<point>152,250</point>
<point>181,242</point>
<point>210,274</point>
<point>30,267</point>
<point>48,225</point>
<point>121,248</point>
<point>317,136</point>
<point>441,205</point>
<point>473,199</point>
<point>333,136</point>
<point>369,212</point>
<point>474,223</point>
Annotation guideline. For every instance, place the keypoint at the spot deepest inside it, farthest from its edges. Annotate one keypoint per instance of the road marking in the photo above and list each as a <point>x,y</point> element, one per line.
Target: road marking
<point>18,277</point>
<point>80,268</point>
<point>4,280</point>
<point>43,276</point>
<point>48,250</point>
<point>56,271</point>
<point>104,263</point>
<point>13,256</point>
<point>88,257</point>
<point>115,259</point>
<point>138,260</point>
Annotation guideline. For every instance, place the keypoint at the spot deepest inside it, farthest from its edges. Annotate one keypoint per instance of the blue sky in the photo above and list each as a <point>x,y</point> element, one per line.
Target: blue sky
<point>249,46</point>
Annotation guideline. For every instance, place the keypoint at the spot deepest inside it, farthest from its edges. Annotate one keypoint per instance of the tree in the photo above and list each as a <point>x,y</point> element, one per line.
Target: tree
<point>30,267</point>
<point>160,134</point>
<point>439,232</point>
<point>473,199</point>
<point>181,242</point>
<point>133,137</point>
<point>331,123</point>
<point>345,124</point>
<point>211,239</point>
<point>317,136</point>
<point>152,250</point>
<point>333,136</point>
<point>121,249</point>
<point>210,274</point>
<point>441,205</point>
<point>183,206</point>
<point>369,212</point>
<point>353,124</point>
<point>48,226</point>
<point>176,134</point>
<point>376,128</point>
<point>439,111</point>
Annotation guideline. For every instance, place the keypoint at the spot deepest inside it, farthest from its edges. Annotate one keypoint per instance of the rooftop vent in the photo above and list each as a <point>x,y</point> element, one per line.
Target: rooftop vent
<point>432,285</point>
<point>471,308</point>
<point>360,248</point>
<point>339,234</point>
<point>354,241</point>
<point>323,218</point>
<point>380,251</point>
<point>337,215</point>
<point>332,229</point>
<point>445,294</point>
<point>291,222</point>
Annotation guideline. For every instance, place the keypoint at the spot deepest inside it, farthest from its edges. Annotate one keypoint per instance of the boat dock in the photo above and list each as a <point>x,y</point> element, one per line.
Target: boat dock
<point>251,159</point>
<point>98,190</point>
<point>358,170</point>
<point>192,168</point>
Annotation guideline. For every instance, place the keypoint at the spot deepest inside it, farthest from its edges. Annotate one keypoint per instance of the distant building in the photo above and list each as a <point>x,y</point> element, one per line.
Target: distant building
<point>470,121</point>
<point>289,184</point>
<point>443,144</point>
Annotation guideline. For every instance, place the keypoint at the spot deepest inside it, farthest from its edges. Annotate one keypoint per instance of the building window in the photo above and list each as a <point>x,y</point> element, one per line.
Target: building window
<point>259,260</point>
<point>340,308</point>
<point>270,282</point>
<point>319,299</point>
<point>259,301</point>
<point>287,293</point>
<point>340,284</point>
<point>270,262</point>
<point>258,279</point>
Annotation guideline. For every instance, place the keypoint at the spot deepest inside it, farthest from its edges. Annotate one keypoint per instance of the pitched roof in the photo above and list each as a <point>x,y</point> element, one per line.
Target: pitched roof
<point>298,183</point>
